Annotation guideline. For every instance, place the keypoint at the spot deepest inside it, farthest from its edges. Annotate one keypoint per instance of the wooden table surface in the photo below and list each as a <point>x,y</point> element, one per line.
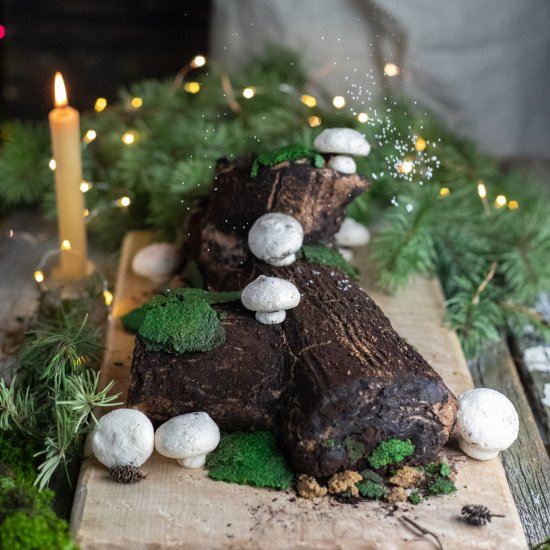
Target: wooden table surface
<point>527,463</point>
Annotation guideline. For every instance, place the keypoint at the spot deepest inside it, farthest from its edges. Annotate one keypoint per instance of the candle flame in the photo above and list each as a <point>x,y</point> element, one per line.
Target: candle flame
<point>60,94</point>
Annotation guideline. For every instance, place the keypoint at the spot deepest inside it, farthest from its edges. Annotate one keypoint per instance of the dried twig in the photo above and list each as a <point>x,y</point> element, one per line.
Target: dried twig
<point>484,283</point>
<point>421,530</point>
<point>230,94</point>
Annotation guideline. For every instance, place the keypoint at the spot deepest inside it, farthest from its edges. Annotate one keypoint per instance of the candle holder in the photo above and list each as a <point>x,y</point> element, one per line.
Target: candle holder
<point>50,278</point>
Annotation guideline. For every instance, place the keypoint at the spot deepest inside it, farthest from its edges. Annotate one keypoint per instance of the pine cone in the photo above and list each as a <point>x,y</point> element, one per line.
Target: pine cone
<point>126,474</point>
<point>477,514</point>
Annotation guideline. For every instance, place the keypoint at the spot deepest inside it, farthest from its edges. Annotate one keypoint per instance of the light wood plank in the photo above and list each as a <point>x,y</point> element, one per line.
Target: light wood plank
<point>177,508</point>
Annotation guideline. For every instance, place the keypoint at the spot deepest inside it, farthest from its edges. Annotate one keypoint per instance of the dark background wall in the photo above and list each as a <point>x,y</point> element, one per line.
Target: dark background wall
<point>98,45</point>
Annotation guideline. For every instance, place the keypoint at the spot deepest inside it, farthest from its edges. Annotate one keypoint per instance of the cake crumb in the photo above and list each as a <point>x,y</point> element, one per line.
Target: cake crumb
<point>397,494</point>
<point>343,481</point>
<point>407,477</point>
<point>308,487</point>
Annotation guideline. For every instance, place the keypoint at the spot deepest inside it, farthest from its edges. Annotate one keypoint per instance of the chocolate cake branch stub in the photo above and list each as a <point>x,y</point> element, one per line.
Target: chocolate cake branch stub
<point>334,379</point>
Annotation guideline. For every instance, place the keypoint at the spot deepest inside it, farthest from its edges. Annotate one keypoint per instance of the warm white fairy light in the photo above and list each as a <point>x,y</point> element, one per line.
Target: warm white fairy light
<point>85,186</point>
<point>314,121</point>
<point>192,87</point>
<point>391,69</point>
<point>481,190</point>
<point>198,61</point>
<point>513,205</point>
<point>136,102</point>
<point>339,101</point>
<point>66,245</point>
<point>249,92</point>
<point>124,202</point>
<point>52,164</point>
<point>406,167</point>
<point>85,213</point>
<point>108,297</point>
<point>89,136</point>
<point>38,276</point>
<point>100,104</point>
<point>128,138</point>
<point>420,144</point>
<point>500,201</point>
<point>444,191</point>
<point>363,117</point>
<point>308,100</point>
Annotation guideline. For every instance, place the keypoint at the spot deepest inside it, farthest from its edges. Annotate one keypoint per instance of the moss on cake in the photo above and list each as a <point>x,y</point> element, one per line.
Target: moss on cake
<point>293,151</point>
<point>180,320</point>
<point>250,458</point>
<point>390,452</point>
<point>324,255</point>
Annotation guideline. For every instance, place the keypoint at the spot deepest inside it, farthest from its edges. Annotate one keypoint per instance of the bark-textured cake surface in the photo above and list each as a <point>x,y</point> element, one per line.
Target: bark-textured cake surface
<point>334,379</point>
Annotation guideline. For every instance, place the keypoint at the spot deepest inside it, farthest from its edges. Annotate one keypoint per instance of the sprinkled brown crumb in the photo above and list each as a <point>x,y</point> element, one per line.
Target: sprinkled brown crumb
<point>308,487</point>
<point>343,481</point>
<point>397,494</point>
<point>407,477</point>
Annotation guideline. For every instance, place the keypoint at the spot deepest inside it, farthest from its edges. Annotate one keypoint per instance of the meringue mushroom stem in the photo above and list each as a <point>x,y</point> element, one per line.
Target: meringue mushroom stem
<point>193,461</point>
<point>270,317</point>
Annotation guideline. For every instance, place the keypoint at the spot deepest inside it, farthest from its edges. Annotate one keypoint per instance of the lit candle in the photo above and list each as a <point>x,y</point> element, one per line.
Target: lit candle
<point>65,132</point>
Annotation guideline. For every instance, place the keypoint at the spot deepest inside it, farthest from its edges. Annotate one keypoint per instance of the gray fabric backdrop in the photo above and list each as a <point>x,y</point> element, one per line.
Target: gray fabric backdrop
<point>484,65</point>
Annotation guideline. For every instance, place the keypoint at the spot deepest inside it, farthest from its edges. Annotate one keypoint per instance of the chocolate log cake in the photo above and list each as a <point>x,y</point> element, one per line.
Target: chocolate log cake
<point>334,378</point>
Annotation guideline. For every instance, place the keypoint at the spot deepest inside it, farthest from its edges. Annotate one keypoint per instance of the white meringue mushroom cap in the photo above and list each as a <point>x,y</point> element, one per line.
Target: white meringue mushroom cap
<point>156,261</point>
<point>342,163</point>
<point>270,294</point>
<point>486,423</point>
<point>342,141</point>
<point>188,437</point>
<point>275,238</point>
<point>123,437</point>
<point>352,233</point>
<point>346,253</point>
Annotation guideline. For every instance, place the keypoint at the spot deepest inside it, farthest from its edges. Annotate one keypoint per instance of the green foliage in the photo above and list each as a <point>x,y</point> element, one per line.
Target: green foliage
<point>35,532</point>
<point>439,468</point>
<point>250,458</point>
<point>442,486</point>
<point>290,152</point>
<point>370,489</point>
<point>324,255</point>
<point>390,452</point>
<point>16,457</point>
<point>414,498</point>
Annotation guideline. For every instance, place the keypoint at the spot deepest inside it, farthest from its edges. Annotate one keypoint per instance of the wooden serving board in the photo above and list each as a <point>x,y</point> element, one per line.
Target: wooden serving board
<point>179,508</point>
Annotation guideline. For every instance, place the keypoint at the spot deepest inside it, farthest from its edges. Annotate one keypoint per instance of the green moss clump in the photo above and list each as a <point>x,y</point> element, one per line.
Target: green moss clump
<point>373,476</point>
<point>250,458</point>
<point>390,452</point>
<point>324,255</point>
<point>16,458</point>
<point>328,443</point>
<point>355,448</point>
<point>370,489</point>
<point>442,486</point>
<point>134,319</point>
<point>438,469</point>
<point>177,325</point>
<point>22,531</point>
<point>293,151</point>
<point>414,498</point>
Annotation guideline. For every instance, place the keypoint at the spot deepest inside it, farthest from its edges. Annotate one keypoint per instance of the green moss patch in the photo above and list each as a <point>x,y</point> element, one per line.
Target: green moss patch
<point>370,489</point>
<point>442,486</point>
<point>324,255</point>
<point>250,458</point>
<point>294,151</point>
<point>414,498</point>
<point>180,320</point>
<point>390,452</point>
<point>355,448</point>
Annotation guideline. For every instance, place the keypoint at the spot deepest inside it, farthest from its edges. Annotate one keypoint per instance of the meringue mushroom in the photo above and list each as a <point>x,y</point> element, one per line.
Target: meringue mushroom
<point>351,234</point>
<point>486,423</point>
<point>343,163</point>
<point>275,238</point>
<point>342,141</point>
<point>188,438</point>
<point>270,297</point>
<point>123,437</point>
<point>157,262</point>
